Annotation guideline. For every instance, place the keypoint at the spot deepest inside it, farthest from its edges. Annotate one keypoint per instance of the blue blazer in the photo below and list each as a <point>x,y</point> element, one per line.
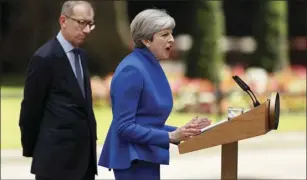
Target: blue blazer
<point>141,103</point>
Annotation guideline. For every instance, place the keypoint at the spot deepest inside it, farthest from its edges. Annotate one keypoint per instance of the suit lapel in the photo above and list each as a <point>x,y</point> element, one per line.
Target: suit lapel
<point>71,80</point>
<point>87,84</point>
<point>85,75</point>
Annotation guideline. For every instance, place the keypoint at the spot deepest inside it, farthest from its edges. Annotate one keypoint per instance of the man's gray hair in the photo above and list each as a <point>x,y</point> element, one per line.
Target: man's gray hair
<point>147,23</point>
<point>68,7</point>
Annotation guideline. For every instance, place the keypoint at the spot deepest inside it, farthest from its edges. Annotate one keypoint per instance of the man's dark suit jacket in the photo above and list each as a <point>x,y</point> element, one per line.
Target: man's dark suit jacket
<point>58,127</point>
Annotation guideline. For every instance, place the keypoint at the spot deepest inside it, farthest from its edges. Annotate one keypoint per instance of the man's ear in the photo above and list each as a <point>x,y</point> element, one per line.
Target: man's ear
<point>62,21</point>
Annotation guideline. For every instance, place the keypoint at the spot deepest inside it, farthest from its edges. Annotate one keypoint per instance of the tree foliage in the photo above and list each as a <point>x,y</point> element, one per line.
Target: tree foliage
<point>205,58</point>
<point>270,32</point>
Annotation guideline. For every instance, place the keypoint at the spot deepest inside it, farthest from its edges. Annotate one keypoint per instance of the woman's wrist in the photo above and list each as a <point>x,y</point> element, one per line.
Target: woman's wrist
<point>171,137</point>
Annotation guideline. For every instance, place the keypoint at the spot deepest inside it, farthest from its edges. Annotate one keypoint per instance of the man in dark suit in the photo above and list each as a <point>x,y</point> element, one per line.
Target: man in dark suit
<point>57,123</point>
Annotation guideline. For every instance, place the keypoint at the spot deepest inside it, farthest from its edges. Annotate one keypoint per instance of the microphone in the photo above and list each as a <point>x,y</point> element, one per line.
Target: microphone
<point>247,89</point>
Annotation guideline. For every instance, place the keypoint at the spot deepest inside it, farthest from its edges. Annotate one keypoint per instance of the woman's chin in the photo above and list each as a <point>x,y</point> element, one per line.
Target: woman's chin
<point>162,59</point>
<point>165,57</point>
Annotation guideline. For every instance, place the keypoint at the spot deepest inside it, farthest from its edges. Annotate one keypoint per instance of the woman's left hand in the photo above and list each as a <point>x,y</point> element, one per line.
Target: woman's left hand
<point>199,122</point>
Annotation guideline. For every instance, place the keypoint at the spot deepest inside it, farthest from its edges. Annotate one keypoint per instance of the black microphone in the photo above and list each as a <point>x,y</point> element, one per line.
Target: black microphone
<point>242,84</point>
<point>247,89</point>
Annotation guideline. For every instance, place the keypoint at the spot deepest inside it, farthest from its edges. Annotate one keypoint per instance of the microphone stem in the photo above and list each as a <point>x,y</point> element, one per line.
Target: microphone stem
<point>256,103</point>
<point>251,97</point>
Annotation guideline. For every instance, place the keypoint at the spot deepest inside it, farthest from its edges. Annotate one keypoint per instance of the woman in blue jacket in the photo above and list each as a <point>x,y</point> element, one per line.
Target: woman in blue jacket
<point>138,139</point>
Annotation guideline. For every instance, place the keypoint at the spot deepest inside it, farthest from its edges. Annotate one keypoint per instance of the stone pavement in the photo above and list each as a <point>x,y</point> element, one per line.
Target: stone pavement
<point>272,156</point>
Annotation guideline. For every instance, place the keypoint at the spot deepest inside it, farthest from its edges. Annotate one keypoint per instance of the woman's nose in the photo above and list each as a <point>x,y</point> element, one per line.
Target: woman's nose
<point>171,39</point>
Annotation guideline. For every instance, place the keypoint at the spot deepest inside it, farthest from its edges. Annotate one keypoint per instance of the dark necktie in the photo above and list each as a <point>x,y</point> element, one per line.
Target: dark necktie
<point>78,70</point>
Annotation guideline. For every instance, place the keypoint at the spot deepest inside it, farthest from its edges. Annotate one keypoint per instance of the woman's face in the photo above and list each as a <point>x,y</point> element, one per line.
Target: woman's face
<point>161,44</point>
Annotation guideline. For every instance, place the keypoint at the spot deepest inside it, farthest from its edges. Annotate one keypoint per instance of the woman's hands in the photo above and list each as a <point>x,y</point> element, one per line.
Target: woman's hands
<point>192,128</point>
<point>199,123</point>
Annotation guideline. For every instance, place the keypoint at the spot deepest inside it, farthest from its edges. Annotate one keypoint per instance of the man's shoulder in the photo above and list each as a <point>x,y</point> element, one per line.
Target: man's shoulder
<point>46,49</point>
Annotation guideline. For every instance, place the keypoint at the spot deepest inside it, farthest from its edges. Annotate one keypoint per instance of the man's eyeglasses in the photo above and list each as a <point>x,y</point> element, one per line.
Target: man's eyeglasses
<point>83,23</point>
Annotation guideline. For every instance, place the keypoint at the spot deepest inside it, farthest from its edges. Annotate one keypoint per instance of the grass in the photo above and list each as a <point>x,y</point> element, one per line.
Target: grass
<point>11,90</point>
<point>10,134</point>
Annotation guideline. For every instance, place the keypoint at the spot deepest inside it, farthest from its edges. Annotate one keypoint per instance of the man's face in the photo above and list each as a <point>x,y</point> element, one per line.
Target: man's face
<point>76,27</point>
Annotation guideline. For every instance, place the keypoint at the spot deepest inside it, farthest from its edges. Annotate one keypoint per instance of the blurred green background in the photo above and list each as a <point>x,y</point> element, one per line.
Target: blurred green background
<point>10,133</point>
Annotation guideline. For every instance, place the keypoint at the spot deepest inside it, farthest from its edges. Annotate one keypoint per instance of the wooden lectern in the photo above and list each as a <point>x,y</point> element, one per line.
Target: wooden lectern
<point>257,121</point>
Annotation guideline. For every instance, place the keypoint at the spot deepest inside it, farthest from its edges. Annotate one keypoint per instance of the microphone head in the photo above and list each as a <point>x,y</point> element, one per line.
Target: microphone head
<point>243,83</point>
<point>246,88</point>
<point>240,83</point>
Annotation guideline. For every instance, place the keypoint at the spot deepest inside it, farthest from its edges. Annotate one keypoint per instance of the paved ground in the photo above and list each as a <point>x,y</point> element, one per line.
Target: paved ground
<point>272,156</point>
